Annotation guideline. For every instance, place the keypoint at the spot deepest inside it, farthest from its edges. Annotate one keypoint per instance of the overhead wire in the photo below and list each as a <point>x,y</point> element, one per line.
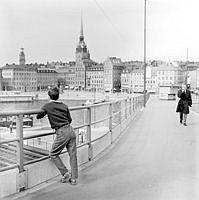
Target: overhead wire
<point>110,21</point>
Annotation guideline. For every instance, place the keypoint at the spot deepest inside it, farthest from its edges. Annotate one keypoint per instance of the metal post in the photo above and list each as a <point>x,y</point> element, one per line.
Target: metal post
<point>144,53</point>
<point>120,116</point>
<point>110,121</point>
<point>125,101</point>
<point>130,108</point>
<point>21,181</point>
<point>138,103</point>
<point>186,77</point>
<point>135,101</point>
<point>89,134</point>
<point>133,104</point>
<point>19,134</point>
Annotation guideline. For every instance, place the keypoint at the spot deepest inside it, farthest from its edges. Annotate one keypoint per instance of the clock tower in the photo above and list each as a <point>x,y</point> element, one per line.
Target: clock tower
<point>22,57</point>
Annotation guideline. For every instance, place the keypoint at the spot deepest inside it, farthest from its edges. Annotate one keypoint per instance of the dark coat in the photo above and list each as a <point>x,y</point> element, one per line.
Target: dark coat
<point>184,102</point>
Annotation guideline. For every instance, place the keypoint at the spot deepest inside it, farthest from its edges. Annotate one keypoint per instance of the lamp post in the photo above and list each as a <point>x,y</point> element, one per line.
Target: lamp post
<point>186,76</point>
<point>144,53</point>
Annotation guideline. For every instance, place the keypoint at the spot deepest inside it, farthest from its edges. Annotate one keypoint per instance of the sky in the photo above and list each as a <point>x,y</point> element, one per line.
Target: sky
<point>49,30</point>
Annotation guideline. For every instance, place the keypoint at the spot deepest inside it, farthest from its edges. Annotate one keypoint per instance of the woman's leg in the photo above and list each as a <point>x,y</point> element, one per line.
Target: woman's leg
<point>181,117</point>
<point>185,119</point>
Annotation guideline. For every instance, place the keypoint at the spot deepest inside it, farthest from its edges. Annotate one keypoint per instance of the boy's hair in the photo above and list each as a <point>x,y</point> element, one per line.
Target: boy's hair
<point>53,93</point>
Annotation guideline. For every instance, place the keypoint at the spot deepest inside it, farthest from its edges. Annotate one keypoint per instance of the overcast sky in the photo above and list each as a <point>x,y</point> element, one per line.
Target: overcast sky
<point>49,30</point>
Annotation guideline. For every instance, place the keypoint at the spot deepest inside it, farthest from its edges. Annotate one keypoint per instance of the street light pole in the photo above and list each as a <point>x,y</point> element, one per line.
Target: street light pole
<point>186,78</point>
<point>144,53</point>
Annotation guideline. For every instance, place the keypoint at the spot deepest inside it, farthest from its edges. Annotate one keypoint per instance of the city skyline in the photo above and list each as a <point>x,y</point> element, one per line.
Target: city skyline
<point>49,31</point>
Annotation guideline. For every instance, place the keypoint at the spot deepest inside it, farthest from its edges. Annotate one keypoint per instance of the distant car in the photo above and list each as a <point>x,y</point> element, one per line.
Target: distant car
<point>71,87</point>
<point>152,91</point>
<point>108,90</point>
<point>116,90</point>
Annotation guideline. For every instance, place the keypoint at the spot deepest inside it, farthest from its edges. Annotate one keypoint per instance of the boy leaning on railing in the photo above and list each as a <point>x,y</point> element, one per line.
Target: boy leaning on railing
<point>60,120</point>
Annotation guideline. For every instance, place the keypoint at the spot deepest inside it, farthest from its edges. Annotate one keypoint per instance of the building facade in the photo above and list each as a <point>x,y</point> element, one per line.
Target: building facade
<point>22,77</point>
<point>62,71</point>
<point>126,77</point>
<point>170,75</point>
<point>132,78</point>
<point>151,79</point>
<point>0,79</point>
<point>46,78</point>
<point>19,77</point>
<point>95,77</point>
<point>66,74</point>
<point>112,73</point>
<point>193,78</point>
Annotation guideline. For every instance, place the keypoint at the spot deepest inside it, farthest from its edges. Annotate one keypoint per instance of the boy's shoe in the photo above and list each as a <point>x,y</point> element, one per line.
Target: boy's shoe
<point>184,124</point>
<point>66,177</point>
<point>181,121</point>
<point>72,181</point>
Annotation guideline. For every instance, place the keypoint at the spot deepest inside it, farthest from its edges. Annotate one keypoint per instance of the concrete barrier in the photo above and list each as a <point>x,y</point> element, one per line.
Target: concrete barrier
<point>8,180</point>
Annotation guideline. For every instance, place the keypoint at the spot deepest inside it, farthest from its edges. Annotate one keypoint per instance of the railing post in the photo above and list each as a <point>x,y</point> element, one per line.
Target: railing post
<point>22,176</point>
<point>130,108</point>
<point>125,102</point>
<point>110,120</point>
<point>89,134</point>
<point>120,117</point>
<point>136,103</point>
<point>140,106</point>
<point>140,103</point>
<point>133,104</point>
<point>19,135</point>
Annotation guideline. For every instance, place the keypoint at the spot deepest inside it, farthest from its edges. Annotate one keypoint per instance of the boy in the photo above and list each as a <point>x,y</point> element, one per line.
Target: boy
<point>60,120</point>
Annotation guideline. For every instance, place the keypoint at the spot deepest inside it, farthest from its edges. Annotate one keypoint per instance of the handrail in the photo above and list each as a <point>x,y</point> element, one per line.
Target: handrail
<point>9,141</point>
<point>38,111</point>
<point>74,108</point>
<point>136,104</point>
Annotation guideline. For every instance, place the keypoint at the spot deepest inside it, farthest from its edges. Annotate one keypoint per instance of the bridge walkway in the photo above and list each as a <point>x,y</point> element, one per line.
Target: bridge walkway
<point>155,159</point>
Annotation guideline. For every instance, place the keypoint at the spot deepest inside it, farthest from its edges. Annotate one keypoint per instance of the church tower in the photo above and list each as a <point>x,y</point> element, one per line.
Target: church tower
<point>22,57</point>
<point>81,49</point>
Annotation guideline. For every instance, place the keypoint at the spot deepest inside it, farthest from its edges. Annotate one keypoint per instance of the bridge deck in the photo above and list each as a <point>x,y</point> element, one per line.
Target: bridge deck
<point>155,159</point>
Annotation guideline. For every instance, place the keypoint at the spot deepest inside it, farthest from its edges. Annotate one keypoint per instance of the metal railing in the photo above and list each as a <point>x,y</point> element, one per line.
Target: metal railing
<point>118,112</point>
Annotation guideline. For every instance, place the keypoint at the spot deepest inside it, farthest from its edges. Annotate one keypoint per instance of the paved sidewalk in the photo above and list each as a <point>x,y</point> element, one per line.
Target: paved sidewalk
<point>156,159</point>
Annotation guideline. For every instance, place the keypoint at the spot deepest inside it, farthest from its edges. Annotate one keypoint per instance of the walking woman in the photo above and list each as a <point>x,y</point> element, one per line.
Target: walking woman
<point>184,103</point>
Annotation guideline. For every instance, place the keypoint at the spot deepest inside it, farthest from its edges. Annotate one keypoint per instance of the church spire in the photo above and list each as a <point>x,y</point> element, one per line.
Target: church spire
<point>81,38</point>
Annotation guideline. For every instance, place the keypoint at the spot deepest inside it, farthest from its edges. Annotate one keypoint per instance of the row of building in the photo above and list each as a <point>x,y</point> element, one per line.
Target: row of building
<point>86,74</point>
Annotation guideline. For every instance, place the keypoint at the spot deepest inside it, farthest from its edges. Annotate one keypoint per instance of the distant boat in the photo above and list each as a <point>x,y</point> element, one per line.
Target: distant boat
<point>90,102</point>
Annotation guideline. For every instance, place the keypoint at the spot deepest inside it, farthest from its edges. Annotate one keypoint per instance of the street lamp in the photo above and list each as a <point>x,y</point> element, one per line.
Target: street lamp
<point>144,53</point>
<point>186,68</point>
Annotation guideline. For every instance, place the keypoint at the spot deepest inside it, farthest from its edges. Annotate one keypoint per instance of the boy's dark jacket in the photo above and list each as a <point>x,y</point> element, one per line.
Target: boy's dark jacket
<point>58,114</point>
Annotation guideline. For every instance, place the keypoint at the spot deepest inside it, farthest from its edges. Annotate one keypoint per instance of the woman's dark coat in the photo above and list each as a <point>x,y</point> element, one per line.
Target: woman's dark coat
<point>184,102</point>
